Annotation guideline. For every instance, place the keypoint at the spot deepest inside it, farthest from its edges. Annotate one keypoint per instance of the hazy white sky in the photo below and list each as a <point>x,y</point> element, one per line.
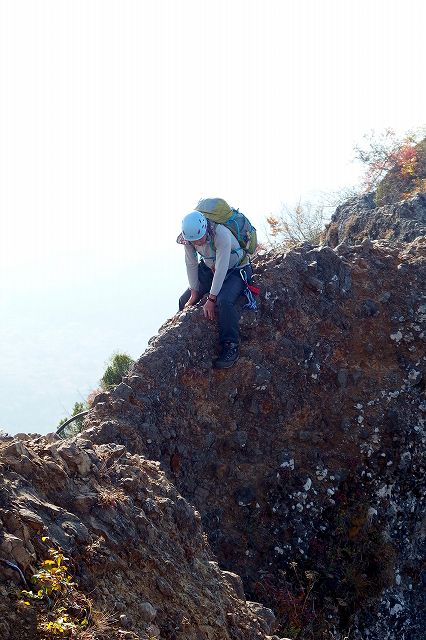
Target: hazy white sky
<point>116,116</point>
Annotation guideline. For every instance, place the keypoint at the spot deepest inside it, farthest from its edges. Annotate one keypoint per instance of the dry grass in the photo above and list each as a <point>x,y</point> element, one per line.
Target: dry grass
<point>111,496</point>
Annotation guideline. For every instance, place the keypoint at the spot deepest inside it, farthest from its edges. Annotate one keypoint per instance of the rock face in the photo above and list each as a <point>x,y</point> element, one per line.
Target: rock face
<point>305,461</point>
<point>359,219</point>
<point>136,545</point>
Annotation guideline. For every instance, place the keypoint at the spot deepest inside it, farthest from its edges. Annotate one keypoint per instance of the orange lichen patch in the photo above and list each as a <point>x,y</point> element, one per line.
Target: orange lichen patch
<point>267,406</point>
<point>175,462</point>
<point>194,379</point>
<point>357,524</point>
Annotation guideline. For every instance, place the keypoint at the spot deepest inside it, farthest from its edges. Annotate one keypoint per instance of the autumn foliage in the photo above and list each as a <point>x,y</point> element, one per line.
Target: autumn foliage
<point>304,223</point>
<point>395,166</point>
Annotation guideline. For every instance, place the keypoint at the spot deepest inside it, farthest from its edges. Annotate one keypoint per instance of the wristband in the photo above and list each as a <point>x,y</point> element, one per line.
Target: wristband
<point>211,298</point>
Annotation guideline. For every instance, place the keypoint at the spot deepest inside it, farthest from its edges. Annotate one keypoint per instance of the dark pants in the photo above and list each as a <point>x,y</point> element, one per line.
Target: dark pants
<point>232,288</point>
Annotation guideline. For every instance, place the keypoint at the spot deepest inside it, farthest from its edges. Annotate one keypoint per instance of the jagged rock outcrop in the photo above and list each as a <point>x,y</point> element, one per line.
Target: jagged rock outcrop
<point>359,218</point>
<point>305,460</point>
<point>137,547</point>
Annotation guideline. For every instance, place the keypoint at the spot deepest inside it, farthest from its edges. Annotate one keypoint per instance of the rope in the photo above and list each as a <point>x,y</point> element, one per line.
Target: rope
<point>251,301</point>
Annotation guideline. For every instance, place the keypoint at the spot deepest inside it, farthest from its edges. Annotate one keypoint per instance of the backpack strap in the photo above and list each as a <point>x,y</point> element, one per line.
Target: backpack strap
<point>211,228</point>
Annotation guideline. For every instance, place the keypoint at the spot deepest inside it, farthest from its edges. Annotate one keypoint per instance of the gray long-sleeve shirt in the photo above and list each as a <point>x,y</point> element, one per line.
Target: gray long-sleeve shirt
<point>221,251</point>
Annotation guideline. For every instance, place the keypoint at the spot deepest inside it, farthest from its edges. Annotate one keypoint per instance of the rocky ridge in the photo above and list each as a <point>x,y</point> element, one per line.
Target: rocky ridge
<point>136,545</point>
<point>359,219</point>
<point>305,462</point>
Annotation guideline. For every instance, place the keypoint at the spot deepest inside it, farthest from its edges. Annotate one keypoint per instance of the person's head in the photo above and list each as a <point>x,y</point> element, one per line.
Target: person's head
<point>194,227</point>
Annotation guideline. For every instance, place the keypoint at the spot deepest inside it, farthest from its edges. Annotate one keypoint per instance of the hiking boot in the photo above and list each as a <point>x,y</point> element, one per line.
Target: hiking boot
<point>228,356</point>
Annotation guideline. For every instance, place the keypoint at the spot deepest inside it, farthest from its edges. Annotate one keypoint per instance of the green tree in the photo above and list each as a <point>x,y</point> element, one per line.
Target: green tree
<point>77,425</point>
<point>118,366</point>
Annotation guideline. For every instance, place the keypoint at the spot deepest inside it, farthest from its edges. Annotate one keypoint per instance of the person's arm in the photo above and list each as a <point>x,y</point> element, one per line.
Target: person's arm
<point>223,254</point>
<point>223,239</point>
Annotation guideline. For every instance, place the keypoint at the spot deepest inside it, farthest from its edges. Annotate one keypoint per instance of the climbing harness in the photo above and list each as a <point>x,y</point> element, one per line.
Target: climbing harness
<point>249,291</point>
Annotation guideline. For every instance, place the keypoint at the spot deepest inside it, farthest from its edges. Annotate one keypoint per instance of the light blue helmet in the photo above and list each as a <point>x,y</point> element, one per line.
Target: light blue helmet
<point>194,226</point>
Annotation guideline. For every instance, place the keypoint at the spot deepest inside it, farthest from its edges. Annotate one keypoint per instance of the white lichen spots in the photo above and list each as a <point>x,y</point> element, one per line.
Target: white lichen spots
<point>314,376</point>
<point>321,473</point>
<point>385,491</point>
<point>398,579</point>
<point>360,419</point>
<point>397,337</point>
<point>308,484</point>
<point>279,550</point>
<point>299,507</point>
<point>358,406</point>
<point>288,464</point>
<point>414,375</point>
<point>366,449</point>
<point>370,514</point>
<point>331,491</point>
<point>405,458</point>
<point>420,426</point>
<point>397,608</point>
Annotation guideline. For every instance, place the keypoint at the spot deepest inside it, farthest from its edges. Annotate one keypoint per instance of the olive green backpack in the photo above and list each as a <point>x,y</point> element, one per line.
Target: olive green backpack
<point>219,211</point>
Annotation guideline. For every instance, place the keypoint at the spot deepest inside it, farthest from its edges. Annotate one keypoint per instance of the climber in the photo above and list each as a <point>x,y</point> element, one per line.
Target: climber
<point>218,273</point>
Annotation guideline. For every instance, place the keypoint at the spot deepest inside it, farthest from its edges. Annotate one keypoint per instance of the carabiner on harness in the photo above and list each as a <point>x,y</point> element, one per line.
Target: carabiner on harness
<point>248,292</point>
